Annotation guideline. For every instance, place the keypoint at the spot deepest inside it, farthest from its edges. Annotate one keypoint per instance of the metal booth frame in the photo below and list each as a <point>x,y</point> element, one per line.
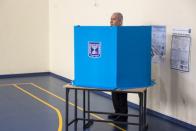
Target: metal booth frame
<point>87,121</point>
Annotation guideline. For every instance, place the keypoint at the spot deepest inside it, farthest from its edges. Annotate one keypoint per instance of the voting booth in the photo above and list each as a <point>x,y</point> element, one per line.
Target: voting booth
<point>112,57</point>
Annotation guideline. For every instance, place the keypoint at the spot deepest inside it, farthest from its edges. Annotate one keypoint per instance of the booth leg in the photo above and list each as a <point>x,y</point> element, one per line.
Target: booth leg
<point>90,122</point>
<point>145,111</point>
<point>67,109</point>
<point>140,111</point>
<point>75,109</point>
<point>84,108</point>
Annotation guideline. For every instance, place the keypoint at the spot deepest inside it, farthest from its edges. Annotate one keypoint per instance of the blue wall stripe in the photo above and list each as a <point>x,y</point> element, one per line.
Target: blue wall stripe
<point>131,105</point>
<point>35,74</point>
<point>24,75</point>
<point>60,77</point>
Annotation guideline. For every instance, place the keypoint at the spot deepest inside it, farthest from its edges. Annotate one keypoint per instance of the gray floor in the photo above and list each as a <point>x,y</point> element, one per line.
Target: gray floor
<point>32,104</point>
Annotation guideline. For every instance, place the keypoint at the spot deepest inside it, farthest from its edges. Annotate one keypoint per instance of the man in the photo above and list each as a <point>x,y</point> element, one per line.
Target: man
<point>116,19</point>
<point>119,99</point>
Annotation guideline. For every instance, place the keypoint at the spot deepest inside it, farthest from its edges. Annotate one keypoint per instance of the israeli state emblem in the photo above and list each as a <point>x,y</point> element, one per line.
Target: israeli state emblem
<point>94,49</point>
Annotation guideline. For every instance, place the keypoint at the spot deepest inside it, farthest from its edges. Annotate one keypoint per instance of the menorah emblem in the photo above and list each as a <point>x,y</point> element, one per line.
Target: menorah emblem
<point>94,49</point>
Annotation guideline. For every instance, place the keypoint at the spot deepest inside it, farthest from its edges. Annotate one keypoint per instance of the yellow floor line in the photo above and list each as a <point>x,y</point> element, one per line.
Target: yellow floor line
<point>3,85</point>
<point>47,104</point>
<point>81,109</point>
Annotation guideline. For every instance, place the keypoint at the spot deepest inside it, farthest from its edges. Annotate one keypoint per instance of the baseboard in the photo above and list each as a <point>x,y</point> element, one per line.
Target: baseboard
<point>172,120</point>
<point>24,75</point>
<point>130,104</point>
<point>35,74</point>
<point>60,77</point>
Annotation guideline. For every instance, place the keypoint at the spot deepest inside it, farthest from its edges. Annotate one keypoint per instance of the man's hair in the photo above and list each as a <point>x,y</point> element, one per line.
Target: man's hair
<point>120,16</point>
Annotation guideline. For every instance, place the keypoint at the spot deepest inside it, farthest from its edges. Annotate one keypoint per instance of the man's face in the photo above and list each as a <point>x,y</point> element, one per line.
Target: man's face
<point>115,21</point>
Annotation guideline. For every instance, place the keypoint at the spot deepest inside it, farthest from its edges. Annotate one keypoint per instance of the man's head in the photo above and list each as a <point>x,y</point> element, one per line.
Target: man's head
<point>116,19</point>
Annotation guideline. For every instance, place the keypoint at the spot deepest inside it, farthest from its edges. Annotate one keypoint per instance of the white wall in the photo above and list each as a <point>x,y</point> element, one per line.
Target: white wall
<point>24,37</point>
<point>174,94</point>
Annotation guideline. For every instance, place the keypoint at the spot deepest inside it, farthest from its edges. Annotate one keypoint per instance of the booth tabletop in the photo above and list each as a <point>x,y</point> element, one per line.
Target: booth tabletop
<point>130,90</point>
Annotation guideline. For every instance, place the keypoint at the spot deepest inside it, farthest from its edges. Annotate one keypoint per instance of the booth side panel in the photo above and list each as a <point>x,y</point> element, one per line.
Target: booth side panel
<point>134,57</point>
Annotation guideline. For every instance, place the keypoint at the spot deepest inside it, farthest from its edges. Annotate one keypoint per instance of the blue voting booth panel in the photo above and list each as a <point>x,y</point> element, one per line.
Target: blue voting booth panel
<point>134,56</point>
<point>112,57</point>
<point>95,70</point>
